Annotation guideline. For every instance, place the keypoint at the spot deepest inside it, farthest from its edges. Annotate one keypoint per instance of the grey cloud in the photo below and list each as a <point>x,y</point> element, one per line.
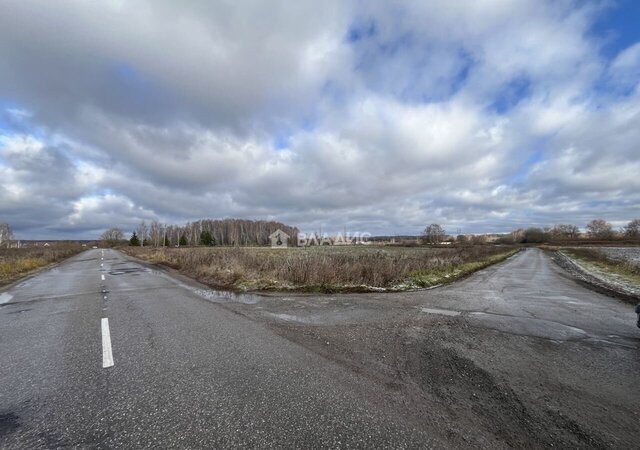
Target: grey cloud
<point>220,65</point>
<point>169,110</point>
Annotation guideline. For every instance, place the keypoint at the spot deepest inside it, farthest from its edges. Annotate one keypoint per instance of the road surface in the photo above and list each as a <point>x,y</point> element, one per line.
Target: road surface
<point>104,352</point>
<point>517,355</point>
<point>185,373</point>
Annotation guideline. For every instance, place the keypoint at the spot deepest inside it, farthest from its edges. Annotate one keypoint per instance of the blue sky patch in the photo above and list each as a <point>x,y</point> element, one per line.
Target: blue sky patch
<point>361,30</point>
<point>620,26</point>
<point>128,75</point>
<point>281,141</point>
<point>4,125</point>
<point>526,167</point>
<point>512,94</point>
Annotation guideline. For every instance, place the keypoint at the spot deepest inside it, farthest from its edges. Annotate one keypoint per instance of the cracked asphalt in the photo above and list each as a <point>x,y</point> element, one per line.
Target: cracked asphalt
<point>187,374</point>
<point>517,355</point>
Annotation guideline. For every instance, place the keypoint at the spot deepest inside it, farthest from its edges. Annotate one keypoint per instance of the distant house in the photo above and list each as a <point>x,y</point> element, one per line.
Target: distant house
<point>279,239</point>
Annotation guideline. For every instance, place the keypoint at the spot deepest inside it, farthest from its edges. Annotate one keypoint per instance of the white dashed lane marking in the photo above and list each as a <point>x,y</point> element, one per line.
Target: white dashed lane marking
<point>107,354</point>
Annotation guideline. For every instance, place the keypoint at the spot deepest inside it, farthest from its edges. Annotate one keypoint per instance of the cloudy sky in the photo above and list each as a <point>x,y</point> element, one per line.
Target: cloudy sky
<point>376,116</point>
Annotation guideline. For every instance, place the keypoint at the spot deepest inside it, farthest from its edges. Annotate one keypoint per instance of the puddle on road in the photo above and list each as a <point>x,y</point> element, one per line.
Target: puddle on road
<point>8,423</point>
<point>212,295</point>
<point>444,312</point>
<point>127,270</point>
<point>324,317</point>
<point>5,297</point>
<point>216,296</point>
<point>618,342</point>
<point>292,318</point>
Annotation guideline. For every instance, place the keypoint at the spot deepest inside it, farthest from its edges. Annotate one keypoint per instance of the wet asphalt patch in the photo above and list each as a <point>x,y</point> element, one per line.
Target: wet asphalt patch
<point>8,423</point>
<point>19,311</point>
<point>127,270</point>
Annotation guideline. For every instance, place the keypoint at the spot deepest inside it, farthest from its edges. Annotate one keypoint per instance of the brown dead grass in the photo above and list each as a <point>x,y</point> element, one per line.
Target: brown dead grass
<point>325,269</point>
<point>18,262</point>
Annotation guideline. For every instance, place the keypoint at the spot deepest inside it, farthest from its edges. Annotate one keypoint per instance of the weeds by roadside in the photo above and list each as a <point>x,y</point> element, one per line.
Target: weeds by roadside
<point>325,269</point>
<point>435,278</point>
<point>17,262</point>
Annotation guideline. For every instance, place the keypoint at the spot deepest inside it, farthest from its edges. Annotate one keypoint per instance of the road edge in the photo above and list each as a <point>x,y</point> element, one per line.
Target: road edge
<point>589,280</point>
<point>35,272</point>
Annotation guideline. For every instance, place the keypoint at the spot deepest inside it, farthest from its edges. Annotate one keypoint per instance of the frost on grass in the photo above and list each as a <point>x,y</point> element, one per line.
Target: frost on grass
<point>614,268</point>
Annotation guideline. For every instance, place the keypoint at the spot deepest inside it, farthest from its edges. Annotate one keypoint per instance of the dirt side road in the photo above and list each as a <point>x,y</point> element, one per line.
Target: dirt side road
<point>517,355</point>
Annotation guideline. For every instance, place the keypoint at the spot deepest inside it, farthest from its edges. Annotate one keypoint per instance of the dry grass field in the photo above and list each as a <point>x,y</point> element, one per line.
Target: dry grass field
<point>325,269</point>
<point>18,262</point>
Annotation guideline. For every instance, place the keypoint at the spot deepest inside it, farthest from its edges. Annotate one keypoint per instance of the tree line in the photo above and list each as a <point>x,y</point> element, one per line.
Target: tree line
<point>207,232</point>
<point>597,230</point>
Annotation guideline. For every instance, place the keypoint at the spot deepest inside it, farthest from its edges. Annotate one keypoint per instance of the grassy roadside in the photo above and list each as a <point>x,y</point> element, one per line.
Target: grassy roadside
<point>598,262</point>
<point>424,280</point>
<point>16,263</point>
<point>325,269</point>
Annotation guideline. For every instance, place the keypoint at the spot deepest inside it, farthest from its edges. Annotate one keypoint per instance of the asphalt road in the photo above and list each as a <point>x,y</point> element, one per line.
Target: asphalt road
<point>526,295</point>
<point>181,366</point>
<point>532,296</point>
<point>186,373</point>
<point>519,355</point>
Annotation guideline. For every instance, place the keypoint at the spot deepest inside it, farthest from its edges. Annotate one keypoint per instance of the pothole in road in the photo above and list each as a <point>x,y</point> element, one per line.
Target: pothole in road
<point>127,270</point>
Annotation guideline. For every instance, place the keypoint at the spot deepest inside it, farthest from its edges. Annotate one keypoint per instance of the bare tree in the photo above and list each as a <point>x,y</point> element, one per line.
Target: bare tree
<point>231,231</point>
<point>143,232</point>
<point>632,229</point>
<point>517,235</point>
<point>434,233</point>
<point>112,236</point>
<point>600,229</point>
<point>565,231</point>
<point>534,235</point>
<point>6,234</point>
<point>155,233</point>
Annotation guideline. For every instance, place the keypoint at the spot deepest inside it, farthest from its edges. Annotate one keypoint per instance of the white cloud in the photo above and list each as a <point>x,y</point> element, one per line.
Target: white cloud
<point>625,68</point>
<point>480,115</point>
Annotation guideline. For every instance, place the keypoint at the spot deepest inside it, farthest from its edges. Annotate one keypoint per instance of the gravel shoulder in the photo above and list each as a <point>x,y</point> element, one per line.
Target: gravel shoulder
<point>485,388</point>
